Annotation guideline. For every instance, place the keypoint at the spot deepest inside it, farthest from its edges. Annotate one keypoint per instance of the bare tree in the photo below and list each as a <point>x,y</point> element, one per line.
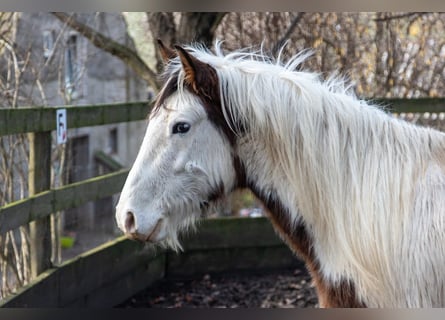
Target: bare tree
<point>22,82</point>
<point>199,27</point>
<point>107,44</point>
<point>14,245</point>
<point>383,54</point>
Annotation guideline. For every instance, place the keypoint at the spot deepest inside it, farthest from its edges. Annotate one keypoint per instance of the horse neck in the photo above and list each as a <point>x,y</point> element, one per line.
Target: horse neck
<point>336,176</point>
<point>322,173</point>
<point>293,153</point>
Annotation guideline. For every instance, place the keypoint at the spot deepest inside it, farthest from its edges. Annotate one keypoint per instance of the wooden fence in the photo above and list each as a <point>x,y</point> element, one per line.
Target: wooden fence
<point>113,272</point>
<point>131,260</point>
<point>43,201</point>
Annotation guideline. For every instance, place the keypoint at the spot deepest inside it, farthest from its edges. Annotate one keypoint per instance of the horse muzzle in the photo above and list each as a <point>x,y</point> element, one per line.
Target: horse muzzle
<point>140,230</point>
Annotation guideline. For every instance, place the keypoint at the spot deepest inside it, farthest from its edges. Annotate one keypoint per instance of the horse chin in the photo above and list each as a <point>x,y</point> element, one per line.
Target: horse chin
<point>158,233</point>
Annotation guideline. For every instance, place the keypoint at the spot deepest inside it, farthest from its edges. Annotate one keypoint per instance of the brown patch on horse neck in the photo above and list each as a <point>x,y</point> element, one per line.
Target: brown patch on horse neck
<point>341,295</point>
<point>217,193</point>
<point>240,173</point>
<point>297,237</point>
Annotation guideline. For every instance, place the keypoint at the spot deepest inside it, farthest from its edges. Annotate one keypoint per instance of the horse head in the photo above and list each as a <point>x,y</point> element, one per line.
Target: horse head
<point>185,163</point>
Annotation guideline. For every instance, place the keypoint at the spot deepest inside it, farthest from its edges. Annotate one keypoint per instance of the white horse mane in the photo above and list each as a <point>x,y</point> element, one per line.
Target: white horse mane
<point>370,187</point>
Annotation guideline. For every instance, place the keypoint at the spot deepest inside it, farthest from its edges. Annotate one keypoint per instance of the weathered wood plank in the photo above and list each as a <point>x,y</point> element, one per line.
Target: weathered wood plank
<point>230,244</point>
<point>39,180</point>
<point>40,119</point>
<point>111,292</point>
<point>69,196</point>
<point>108,161</point>
<point>216,260</point>
<point>109,274</point>
<point>114,261</point>
<point>82,280</point>
<point>231,232</point>
<point>414,105</point>
<point>36,292</point>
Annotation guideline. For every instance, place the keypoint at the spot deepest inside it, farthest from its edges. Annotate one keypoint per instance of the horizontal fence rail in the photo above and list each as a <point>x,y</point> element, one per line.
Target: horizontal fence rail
<point>42,119</point>
<point>69,196</point>
<point>415,105</point>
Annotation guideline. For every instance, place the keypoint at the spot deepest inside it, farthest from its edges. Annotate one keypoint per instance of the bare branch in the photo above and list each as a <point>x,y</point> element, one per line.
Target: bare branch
<point>122,52</point>
<point>400,16</point>
<point>288,32</point>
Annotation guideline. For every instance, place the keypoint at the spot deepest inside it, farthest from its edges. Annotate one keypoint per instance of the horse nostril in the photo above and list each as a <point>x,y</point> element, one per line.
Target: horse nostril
<point>129,223</point>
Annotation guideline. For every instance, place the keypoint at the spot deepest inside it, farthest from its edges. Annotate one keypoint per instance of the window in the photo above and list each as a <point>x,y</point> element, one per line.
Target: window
<point>71,67</point>
<point>48,43</point>
<point>113,140</point>
<point>78,159</point>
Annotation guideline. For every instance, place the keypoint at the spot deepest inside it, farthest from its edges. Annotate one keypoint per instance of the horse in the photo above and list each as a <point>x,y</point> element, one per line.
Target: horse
<point>356,193</point>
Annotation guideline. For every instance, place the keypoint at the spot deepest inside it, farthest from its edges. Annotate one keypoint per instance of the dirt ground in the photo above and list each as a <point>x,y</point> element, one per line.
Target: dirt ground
<point>272,289</point>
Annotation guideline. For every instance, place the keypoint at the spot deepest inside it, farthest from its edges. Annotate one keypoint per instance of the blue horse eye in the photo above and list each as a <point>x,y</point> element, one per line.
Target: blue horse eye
<point>181,127</point>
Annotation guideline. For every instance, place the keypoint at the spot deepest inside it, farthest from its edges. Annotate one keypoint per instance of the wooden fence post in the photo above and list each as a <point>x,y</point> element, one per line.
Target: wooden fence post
<point>39,179</point>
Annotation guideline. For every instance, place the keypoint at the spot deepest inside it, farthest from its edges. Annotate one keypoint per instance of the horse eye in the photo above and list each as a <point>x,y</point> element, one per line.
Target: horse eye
<point>181,127</point>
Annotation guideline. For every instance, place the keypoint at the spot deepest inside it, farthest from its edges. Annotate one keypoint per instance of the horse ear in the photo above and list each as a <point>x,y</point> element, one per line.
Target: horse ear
<point>197,73</point>
<point>167,54</point>
<point>190,65</point>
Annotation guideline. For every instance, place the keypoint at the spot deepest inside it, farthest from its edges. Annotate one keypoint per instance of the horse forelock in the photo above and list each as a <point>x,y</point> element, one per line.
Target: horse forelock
<point>209,94</point>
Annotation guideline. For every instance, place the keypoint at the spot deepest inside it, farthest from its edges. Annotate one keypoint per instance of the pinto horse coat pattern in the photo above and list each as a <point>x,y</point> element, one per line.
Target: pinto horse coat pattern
<point>356,193</point>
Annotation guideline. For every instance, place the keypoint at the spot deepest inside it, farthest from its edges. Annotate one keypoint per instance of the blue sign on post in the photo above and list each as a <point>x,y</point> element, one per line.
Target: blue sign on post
<point>61,126</point>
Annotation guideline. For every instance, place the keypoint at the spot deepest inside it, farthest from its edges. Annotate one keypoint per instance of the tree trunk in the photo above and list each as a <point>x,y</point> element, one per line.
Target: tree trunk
<point>193,27</point>
<point>198,27</point>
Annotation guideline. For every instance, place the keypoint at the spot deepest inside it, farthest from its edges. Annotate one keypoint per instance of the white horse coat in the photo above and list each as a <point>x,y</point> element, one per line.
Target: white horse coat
<point>358,194</point>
